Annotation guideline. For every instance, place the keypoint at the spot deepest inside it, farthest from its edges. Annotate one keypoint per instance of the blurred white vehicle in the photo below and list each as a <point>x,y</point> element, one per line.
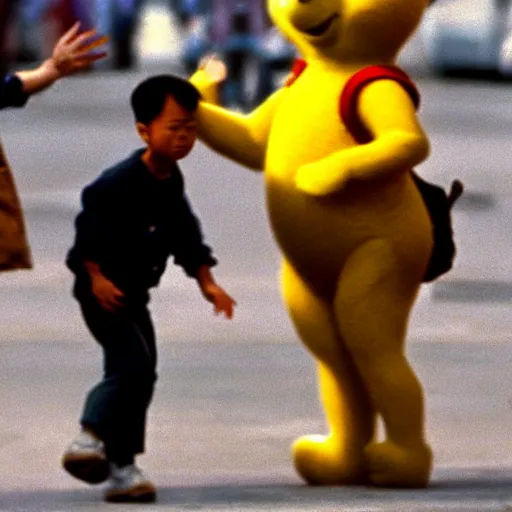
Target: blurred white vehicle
<point>468,35</point>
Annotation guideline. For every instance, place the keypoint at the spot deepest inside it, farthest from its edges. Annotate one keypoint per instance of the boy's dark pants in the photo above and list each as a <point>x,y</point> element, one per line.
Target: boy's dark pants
<point>115,409</point>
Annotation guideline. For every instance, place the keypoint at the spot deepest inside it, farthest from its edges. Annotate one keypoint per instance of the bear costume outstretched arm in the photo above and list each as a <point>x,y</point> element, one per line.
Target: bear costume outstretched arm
<point>399,143</point>
<point>242,138</point>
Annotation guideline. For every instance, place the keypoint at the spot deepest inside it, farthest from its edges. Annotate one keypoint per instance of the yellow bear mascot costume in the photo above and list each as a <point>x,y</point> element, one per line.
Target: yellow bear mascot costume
<point>352,227</point>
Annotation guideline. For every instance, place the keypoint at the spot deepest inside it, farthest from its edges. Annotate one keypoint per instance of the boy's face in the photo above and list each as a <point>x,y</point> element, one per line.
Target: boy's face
<point>172,134</point>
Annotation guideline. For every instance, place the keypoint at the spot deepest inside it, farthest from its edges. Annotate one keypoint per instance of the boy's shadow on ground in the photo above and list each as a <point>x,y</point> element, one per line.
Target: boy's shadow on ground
<point>446,488</point>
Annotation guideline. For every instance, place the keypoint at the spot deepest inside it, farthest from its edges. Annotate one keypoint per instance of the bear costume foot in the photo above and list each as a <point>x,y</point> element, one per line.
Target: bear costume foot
<point>319,461</point>
<point>392,465</point>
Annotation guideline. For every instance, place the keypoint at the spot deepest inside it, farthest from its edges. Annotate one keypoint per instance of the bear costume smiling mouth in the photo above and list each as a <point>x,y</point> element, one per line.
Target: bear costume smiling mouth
<point>323,27</point>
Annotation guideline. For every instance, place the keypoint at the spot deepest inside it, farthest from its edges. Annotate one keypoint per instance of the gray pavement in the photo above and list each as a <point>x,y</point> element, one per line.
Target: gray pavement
<point>225,415</point>
<point>232,396</point>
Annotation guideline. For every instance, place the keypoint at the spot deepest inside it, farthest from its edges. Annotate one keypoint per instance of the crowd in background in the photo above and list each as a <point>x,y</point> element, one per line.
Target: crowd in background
<point>239,31</point>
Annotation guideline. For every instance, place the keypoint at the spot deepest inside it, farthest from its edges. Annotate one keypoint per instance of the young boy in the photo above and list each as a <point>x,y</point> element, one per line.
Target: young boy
<point>72,53</point>
<point>134,216</point>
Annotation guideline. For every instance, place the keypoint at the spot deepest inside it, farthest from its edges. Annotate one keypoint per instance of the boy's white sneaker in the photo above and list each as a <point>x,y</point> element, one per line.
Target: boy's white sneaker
<point>128,484</point>
<point>85,459</point>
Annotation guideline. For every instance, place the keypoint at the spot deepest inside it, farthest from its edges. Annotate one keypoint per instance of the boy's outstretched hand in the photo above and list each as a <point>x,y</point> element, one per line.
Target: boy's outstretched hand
<point>222,302</point>
<point>73,52</point>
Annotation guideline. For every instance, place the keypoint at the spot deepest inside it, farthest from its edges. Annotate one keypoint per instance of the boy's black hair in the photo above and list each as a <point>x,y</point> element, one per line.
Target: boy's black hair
<point>148,98</point>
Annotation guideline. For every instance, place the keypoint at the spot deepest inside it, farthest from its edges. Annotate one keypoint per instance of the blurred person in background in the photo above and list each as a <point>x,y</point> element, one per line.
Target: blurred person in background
<point>185,10</point>
<point>30,13</point>
<point>195,17</point>
<point>24,35</point>
<point>29,19</point>
<point>242,31</point>
<point>118,18</point>
<point>7,14</point>
<point>237,27</point>
<point>275,54</point>
<point>62,13</point>
<point>67,12</point>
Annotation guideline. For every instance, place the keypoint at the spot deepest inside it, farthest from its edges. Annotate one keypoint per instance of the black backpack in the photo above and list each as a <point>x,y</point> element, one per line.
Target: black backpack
<point>439,206</point>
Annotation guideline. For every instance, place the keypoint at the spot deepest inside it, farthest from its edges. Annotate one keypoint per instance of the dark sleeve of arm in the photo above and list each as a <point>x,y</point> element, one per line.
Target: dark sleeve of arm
<point>190,252</point>
<point>93,226</point>
<point>11,92</point>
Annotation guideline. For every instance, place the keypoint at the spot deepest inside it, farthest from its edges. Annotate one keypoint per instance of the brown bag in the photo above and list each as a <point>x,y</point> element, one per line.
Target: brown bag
<point>14,248</point>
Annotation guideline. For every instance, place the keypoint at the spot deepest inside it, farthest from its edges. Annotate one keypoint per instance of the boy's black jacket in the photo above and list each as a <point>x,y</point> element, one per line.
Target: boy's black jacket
<point>131,222</point>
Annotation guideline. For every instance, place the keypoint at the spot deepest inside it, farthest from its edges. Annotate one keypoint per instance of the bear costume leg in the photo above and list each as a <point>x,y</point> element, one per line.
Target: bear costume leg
<point>375,293</point>
<point>338,458</point>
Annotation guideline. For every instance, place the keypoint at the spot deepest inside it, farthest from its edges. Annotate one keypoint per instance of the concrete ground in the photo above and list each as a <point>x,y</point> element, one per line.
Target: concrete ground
<point>224,417</point>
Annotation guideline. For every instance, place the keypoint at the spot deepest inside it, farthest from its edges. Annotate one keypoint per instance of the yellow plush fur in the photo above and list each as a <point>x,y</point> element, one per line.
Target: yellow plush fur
<point>353,230</point>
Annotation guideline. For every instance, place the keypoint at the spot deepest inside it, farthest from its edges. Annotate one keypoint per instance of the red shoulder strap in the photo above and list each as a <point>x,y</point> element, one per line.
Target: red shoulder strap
<point>299,65</point>
<point>356,83</point>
